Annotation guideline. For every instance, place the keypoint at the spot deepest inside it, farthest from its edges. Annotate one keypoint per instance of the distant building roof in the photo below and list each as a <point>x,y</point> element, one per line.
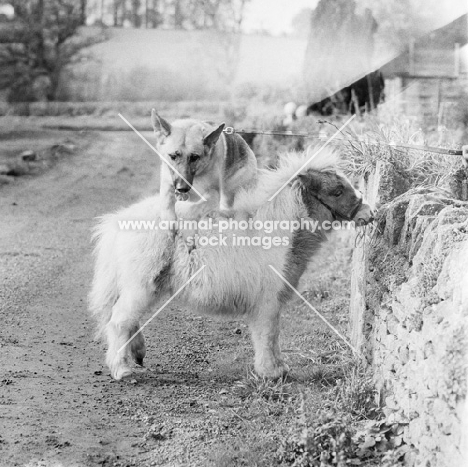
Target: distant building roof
<point>431,55</point>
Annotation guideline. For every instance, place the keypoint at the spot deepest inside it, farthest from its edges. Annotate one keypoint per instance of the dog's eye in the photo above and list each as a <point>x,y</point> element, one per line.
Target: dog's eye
<point>173,156</point>
<point>194,158</point>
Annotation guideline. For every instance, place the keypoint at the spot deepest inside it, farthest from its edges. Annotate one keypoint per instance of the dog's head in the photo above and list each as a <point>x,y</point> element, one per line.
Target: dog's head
<point>187,145</point>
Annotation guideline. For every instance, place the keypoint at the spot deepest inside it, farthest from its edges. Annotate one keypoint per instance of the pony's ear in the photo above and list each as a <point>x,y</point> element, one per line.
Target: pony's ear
<point>160,126</point>
<point>310,181</point>
<point>212,138</point>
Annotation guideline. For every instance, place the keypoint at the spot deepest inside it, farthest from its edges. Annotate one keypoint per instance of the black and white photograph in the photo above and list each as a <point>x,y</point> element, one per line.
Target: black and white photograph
<point>233,233</point>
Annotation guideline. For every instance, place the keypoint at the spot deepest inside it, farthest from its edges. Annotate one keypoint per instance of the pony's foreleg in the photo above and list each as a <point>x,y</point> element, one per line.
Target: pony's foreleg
<point>137,345</point>
<point>264,326</point>
<point>123,325</point>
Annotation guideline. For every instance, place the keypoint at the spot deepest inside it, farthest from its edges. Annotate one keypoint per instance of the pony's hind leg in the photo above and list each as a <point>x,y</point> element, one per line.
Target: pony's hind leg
<point>123,324</point>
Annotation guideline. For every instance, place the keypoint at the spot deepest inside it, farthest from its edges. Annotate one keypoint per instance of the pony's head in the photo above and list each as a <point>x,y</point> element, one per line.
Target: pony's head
<point>321,182</point>
<point>335,192</point>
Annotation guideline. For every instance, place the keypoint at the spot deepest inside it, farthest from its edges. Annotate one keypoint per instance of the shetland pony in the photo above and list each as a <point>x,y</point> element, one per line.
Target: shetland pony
<point>136,269</point>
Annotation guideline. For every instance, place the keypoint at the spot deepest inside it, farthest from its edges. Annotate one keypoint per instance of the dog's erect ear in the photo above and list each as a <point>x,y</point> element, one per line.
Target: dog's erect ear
<point>212,138</point>
<point>159,124</point>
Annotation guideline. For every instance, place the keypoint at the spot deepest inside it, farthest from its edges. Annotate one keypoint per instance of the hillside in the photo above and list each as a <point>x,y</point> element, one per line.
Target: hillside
<point>262,58</point>
<point>141,64</point>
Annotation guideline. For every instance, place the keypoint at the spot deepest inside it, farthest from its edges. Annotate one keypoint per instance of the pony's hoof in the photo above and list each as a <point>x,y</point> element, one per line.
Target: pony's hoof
<point>121,373</point>
<point>139,361</point>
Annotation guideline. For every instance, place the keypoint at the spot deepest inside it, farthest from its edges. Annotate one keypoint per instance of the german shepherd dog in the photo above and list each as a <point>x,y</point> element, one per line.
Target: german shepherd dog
<point>216,164</point>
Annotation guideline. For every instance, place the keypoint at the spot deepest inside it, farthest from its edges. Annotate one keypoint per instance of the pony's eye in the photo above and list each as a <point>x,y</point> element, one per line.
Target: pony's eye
<point>338,193</point>
<point>194,158</point>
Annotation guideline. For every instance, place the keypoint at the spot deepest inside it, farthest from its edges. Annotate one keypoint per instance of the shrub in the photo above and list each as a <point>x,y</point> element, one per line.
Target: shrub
<point>340,434</point>
<point>332,439</point>
<point>328,441</point>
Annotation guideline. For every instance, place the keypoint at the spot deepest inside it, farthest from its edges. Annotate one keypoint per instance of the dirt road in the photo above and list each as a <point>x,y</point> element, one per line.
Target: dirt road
<point>50,394</point>
<point>58,405</point>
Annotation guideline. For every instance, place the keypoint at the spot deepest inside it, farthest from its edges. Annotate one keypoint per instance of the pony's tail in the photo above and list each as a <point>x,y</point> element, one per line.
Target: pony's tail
<point>104,291</point>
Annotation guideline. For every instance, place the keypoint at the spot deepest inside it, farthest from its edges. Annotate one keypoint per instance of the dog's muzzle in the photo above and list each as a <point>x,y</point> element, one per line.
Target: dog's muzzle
<point>181,196</point>
<point>181,189</point>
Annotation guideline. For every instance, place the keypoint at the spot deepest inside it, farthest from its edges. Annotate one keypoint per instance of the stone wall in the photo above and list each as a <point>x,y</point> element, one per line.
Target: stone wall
<point>409,317</point>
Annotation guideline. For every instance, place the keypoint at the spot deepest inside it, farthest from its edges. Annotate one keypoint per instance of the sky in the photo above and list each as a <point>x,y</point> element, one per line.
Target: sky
<point>273,15</point>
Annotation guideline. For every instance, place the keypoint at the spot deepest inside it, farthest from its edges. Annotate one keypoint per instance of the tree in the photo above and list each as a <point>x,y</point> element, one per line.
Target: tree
<point>179,15</point>
<point>224,18</point>
<point>339,48</point>
<point>49,42</point>
<point>136,18</point>
<point>83,12</point>
<point>175,14</point>
<point>300,23</point>
<point>119,12</point>
<point>153,17</point>
<point>401,21</point>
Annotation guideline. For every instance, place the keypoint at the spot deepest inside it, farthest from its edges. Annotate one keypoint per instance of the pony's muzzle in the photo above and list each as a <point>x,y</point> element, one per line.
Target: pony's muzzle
<point>365,215</point>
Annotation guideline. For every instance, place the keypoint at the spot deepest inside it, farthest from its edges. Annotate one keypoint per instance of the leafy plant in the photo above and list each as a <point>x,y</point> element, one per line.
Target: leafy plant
<point>331,440</point>
<point>379,439</point>
<point>341,433</point>
<point>327,440</point>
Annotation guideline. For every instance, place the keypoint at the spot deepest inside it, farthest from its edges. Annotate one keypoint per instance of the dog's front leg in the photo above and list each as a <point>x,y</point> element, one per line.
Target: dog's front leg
<point>198,209</point>
<point>226,203</point>
<point>264,326</point>
<point>167,195</point>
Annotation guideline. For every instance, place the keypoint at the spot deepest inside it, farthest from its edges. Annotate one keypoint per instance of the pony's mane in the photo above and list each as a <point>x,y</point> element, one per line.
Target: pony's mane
<point>326,159</point>
<point>290,164</point>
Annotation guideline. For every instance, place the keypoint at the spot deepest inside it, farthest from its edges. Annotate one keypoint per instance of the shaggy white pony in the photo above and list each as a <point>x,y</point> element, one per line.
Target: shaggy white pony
<point>136,269</point>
